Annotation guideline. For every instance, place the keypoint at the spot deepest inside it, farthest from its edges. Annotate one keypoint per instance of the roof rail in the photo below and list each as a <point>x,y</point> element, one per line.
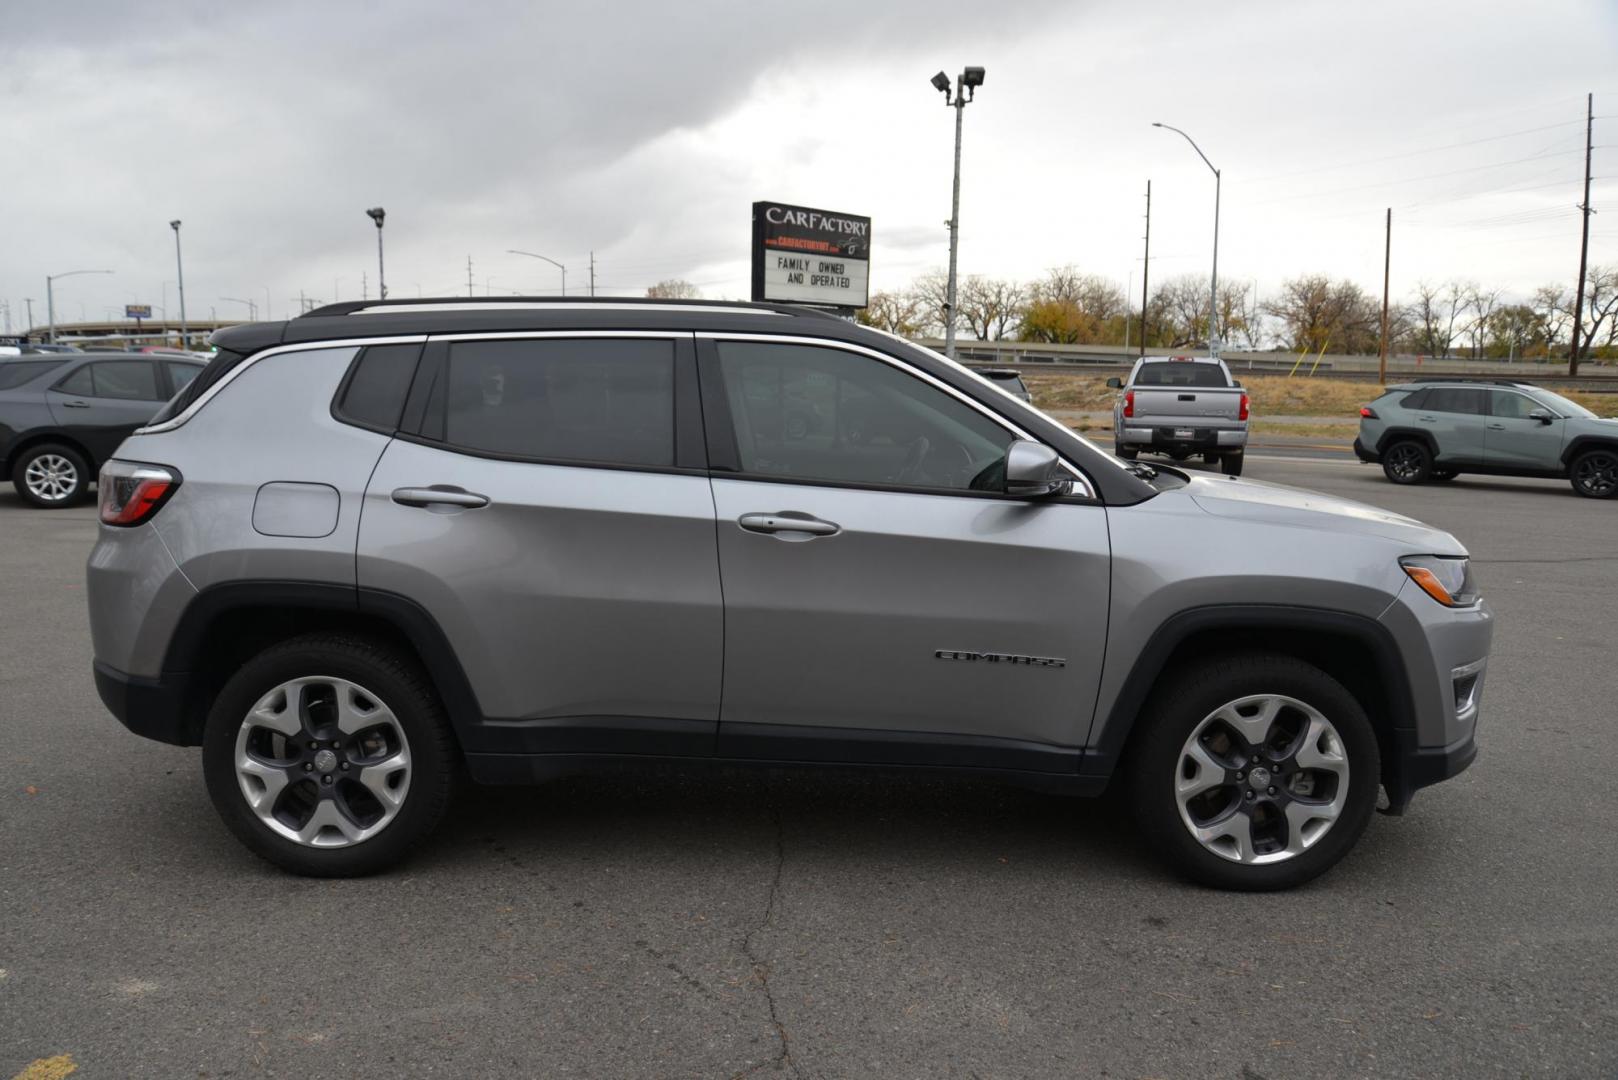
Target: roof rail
<point>1470,380</point>
<point>495,303</point>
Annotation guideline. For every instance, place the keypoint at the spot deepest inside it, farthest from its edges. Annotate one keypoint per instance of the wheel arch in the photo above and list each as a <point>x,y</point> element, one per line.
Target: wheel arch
<point>1400,434</point>
<point>38,438</point>
<point>1356,650</point>
<point>1581,443</point>
<point>226,625</point>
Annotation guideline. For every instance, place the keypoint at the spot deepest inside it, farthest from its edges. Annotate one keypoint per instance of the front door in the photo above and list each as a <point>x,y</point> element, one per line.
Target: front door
<point>883,601</point>
<point>100,403</point>
<point>555,529</point>
<point>1515,440</point>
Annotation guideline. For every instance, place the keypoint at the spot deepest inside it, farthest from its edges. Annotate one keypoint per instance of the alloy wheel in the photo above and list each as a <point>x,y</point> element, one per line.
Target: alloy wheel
<point>1403,461</point>
<point>1262,779</point>
<point>1597,473</point>
<point>323,762</point>
<point>51,478</point>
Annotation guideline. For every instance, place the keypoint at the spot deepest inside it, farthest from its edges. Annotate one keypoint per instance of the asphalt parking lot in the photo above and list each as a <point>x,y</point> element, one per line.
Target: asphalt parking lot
<point>823,924</point>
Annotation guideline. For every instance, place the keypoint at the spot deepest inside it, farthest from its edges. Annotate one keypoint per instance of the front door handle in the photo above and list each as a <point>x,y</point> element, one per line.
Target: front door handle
<point>75,404</point>
<point>787,522</point>
<point>1428,419</point>
<point>1497,427</point>
<point>439,495</point>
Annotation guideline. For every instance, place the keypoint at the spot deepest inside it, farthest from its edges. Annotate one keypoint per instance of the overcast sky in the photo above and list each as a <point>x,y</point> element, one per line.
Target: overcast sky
<point>644,131</point>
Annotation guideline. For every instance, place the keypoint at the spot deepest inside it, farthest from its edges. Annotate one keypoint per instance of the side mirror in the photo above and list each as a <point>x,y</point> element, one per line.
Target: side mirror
<point>1541,415</point>
<point>1033,471</point>
<point>1115,383</point>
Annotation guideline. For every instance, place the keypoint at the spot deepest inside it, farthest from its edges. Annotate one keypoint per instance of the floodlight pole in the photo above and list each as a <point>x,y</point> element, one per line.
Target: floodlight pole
<point>179,270</point>
<point>958,102</point>
<point>1213,287</point>
<point>376,214</point>
<point>50,297</point>
<point>559,266</point>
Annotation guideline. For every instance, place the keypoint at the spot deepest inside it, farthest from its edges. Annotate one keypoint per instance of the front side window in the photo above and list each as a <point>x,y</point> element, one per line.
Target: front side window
<point>1454,399</point>
<point>1504,403</point>
<point>587,400</point>
<point>804,412</point>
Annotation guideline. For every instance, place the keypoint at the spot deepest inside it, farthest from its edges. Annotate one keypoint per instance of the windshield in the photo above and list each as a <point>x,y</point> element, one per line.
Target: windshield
<point>1562,404</point>
<point>1180,374</point>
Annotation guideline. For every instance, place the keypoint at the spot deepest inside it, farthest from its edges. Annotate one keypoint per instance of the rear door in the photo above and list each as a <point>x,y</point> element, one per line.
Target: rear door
<point>1515,440</point>
<point>1456,418</point>
<point>548,505</point>
<point>101,402</point>
<point>883,601</point>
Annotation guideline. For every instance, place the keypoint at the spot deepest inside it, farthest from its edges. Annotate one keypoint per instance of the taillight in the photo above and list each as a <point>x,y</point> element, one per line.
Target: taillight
<point>1242,412</point>
<point>131,492</point>
<point>1368,413</point>
<point>1129,403</point>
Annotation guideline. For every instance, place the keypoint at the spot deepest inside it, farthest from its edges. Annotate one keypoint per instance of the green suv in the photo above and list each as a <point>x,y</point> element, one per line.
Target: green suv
<point>1437,430</point>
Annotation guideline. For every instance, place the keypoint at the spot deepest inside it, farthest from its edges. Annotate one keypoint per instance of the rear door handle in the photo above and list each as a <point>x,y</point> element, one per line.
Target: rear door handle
<point>788,521</point>
<point>1497,427</point>
<point>439,495</point>
<point>1428,419</point>
<point>75,404</point>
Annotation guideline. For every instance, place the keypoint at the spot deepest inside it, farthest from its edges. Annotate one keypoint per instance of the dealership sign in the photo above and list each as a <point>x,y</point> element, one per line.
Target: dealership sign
<point>807,256</point>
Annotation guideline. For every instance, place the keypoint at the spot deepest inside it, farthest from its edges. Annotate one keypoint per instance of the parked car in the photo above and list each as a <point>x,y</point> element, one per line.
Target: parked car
<point>1436,430</point>
<point>62,415</point>
<point>386,541</point>
<point>1179,406</point>
<point>1008,380</point>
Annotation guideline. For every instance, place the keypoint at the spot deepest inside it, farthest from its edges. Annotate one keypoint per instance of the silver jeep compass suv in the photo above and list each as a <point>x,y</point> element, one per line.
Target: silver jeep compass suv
<point>385,544</point>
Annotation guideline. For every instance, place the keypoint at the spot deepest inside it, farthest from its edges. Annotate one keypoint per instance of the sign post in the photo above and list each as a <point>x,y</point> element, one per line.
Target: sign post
<point>805,256</point>
<point>137,312</point>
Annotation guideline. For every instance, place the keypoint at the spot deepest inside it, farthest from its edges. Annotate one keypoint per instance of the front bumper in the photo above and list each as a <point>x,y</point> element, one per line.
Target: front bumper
<point>1414,767</point>
<point>154,708</point>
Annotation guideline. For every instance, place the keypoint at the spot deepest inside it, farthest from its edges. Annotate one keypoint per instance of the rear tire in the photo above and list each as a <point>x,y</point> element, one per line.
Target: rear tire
<point>1320,755</point>
<point>1231,464</point>
<point>329,755</point>
<point>1128,453</point>
<point>1594,473</point>
<point>1210,459</point>
<point>50,476</point>
<point>1407,462</point>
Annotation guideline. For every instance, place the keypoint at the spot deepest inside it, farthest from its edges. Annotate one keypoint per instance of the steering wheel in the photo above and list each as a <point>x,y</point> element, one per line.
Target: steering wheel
<point>919,450</point>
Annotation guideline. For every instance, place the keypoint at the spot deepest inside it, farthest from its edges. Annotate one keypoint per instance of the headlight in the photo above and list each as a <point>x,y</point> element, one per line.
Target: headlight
<point>1445,579</point>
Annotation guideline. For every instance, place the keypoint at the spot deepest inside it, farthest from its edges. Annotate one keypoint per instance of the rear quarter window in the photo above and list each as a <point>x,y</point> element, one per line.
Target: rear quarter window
<point>217,368</point>
<point>14,373</point>
<point>373,395</point>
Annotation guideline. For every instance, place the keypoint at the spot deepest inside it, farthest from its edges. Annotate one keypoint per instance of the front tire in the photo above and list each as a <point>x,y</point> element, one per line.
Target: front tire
<point>1407,462</point>
<point>51,476</point>
<point>1594,474</point>
<point>1254,772</point>
<point>329,755</point>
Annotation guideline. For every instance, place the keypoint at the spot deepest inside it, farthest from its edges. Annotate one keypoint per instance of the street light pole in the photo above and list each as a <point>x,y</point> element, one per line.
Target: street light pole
<point>376,214</point>
<point>547,258</point>
<point>965,91</point>
<point>50,297</point>
<point>1213,287</point>
<point>179,270</point>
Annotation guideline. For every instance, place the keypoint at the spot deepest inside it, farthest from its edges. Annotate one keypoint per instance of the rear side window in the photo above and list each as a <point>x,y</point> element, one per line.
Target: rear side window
<point>180,374</point>
<point>1172,374</point>
<point>375,392</point>
<point>14,373</point>
<point>126,380</point>
<point>605,401</point>
<point>217,368</point>
<point>1454,399</point>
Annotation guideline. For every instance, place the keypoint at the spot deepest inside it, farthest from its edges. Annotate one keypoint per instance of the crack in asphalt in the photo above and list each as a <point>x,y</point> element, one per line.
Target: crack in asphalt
<point>761,967</point>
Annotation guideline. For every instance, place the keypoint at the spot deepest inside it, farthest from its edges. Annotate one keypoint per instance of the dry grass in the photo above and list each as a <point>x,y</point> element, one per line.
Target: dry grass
<point>1273,395</point>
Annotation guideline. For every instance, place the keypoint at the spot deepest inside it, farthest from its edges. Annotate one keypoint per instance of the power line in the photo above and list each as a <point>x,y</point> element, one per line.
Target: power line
<point>1410,153</point>
<point>1410,179</point>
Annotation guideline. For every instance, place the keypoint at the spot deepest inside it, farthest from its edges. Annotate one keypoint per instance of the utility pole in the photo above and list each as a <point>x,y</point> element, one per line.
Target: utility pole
<point>1387,262</point>
<point>471,286</point>
<point>179,273</point>
<point>1145,269</point>
<point>592,273</point>
<point>365,287</point>
<point>1584,244</point>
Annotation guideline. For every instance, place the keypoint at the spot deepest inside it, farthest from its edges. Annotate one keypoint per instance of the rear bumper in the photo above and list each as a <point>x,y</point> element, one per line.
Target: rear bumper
<point>1201,439</point>
<point>1364,453</point>
<point>150,707</point>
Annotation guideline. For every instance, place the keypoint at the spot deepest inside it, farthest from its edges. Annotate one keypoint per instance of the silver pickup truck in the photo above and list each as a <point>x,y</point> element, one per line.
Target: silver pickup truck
<point>1179,406</point>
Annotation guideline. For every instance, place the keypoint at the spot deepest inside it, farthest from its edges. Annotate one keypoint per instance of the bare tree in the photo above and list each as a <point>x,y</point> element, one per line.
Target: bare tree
<point>1316,313</point>
<point>1067,306</point>
<point>1435,309</point>
<point>899,313</point>
<point>932,292</point>
<point>1600,304</point>
<point>674,289</point>
<point>1480,304</point>
<point>989,306</point>
<point>1553,307</point>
